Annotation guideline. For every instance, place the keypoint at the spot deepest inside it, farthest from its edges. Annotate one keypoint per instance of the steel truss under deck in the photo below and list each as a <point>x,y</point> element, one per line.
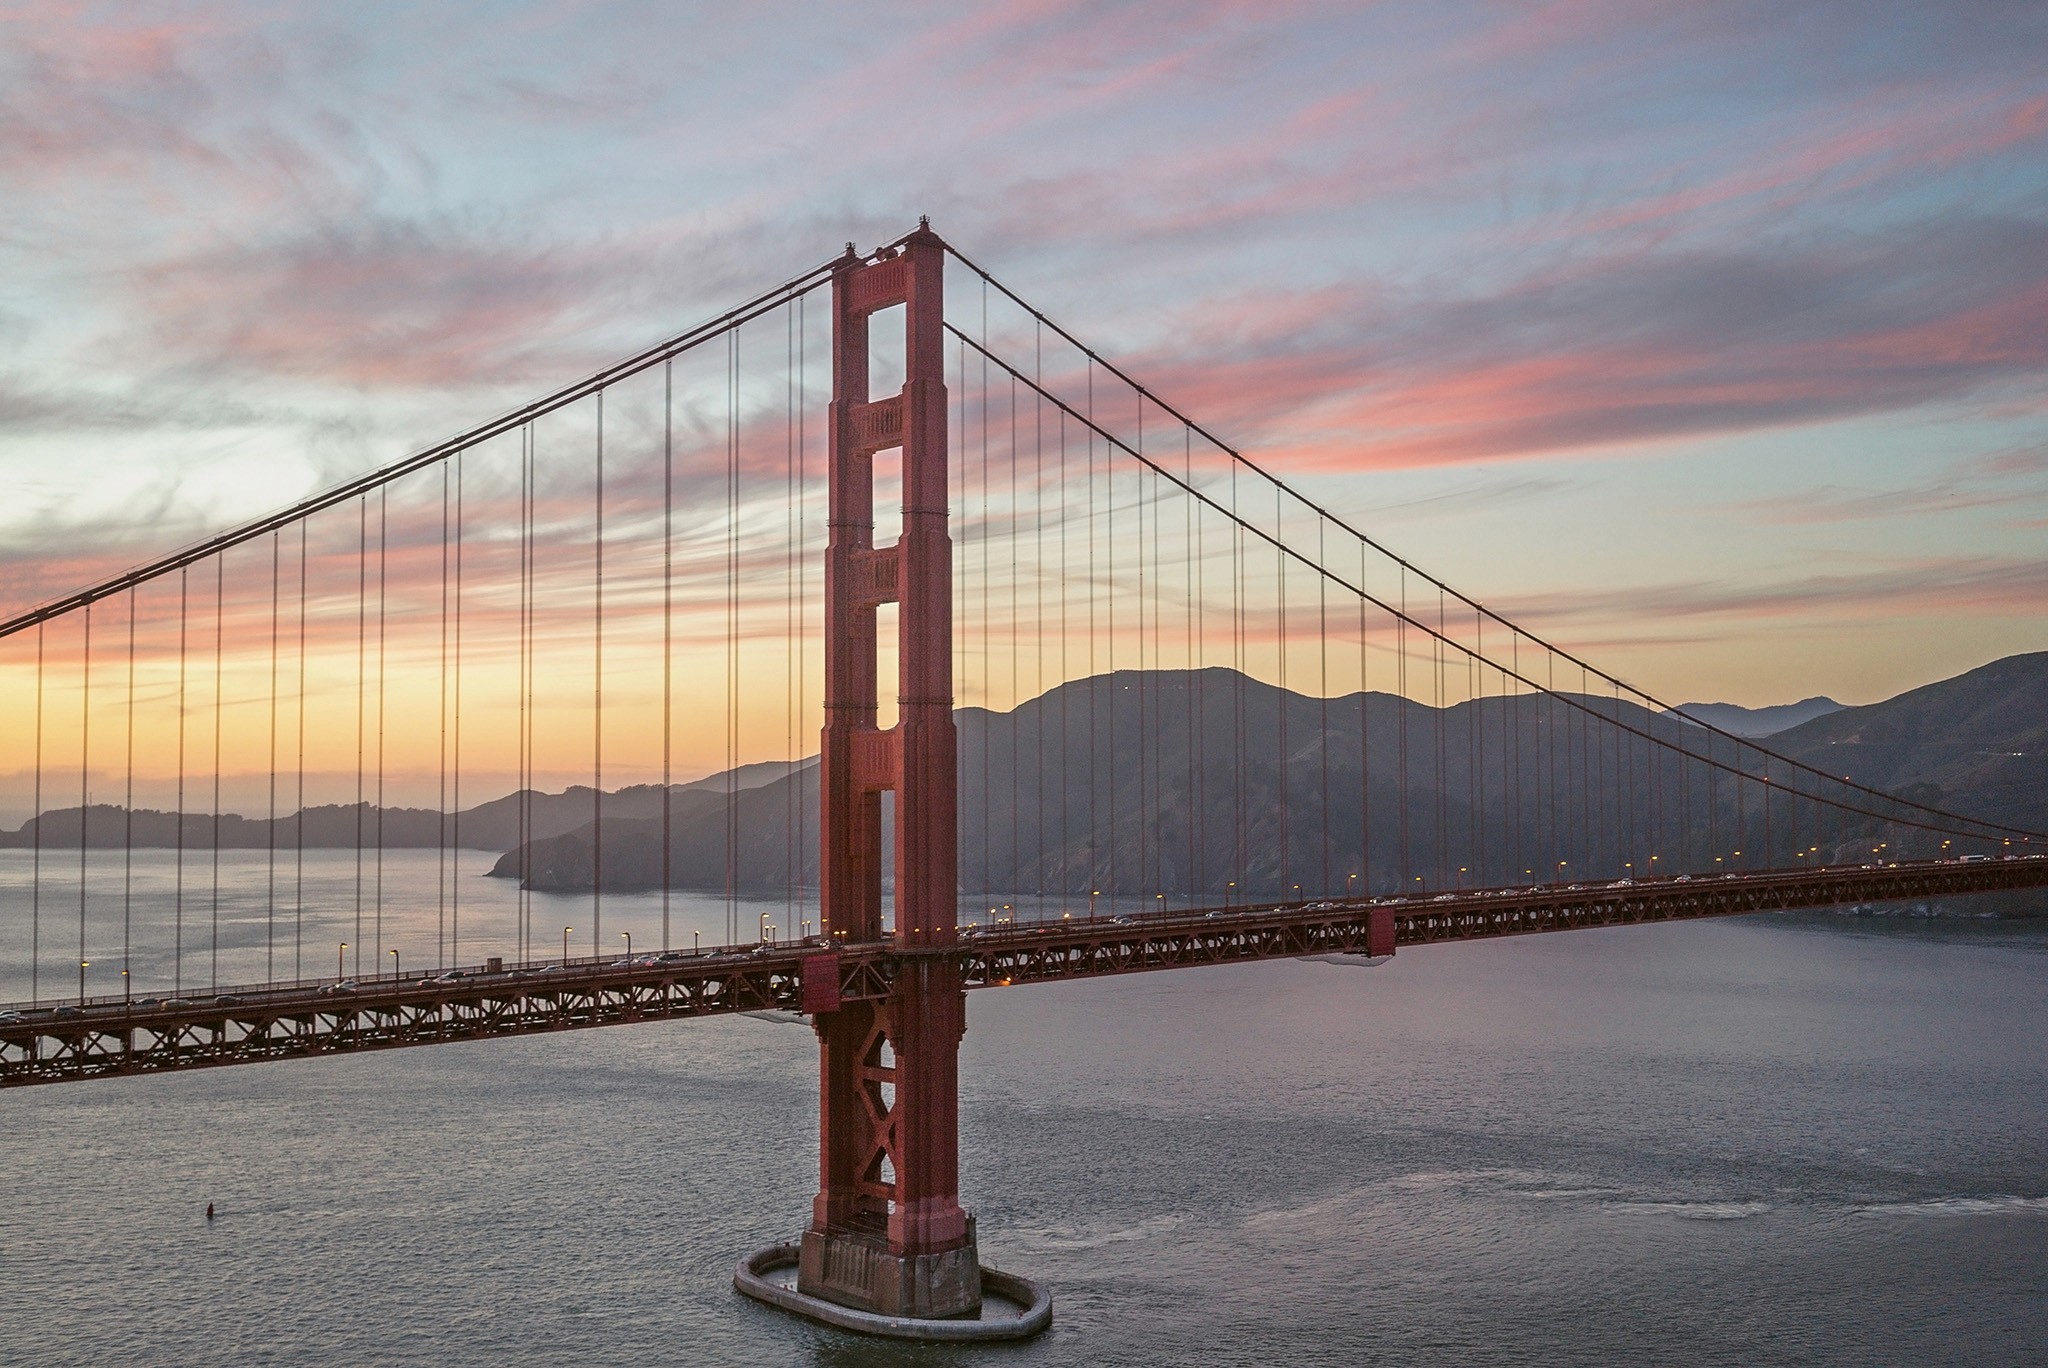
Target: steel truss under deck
<point>50,1044</point>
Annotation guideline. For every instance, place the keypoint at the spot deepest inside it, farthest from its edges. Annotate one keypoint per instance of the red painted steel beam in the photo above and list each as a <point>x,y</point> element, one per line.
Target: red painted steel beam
<point>108,1036</point>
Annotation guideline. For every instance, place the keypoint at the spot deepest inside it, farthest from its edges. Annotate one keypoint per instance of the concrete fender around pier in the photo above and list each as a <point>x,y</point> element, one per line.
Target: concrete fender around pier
<point>751,1279</point>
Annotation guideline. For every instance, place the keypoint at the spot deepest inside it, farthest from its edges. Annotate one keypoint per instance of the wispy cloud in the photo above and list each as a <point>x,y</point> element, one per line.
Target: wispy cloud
<point>248,248</point>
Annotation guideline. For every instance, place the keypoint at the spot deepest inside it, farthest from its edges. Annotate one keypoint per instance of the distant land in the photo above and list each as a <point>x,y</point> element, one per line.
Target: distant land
<point>1737,720</point>
<point>1171,781</point>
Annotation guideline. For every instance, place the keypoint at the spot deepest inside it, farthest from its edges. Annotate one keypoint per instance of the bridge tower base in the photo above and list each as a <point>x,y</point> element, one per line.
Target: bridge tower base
<point>1014,1308</point>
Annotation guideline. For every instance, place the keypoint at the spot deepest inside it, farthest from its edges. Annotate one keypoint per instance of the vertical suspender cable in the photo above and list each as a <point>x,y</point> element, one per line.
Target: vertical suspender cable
<point>1364,746</point>
<point>1237,682</point>
<point>219,614</point>
<point>1146,818</point>
<point>1511,724</point>
<point>522,930</point>
<point>455,741</point>
<point>1066,679</point>
<point>299,837</point>
<point>597,700</point>
<point>668,710</point>
<point>35,893</point>
<point>530,569</point>
<point>803,843</point>
<point>1038,532</point>
<point>1109,620</point>
<point>1475,745</point>
<point>984,535</point>
<point>732,641</point>
<point>1401,711</point>
<point>789,623</point>
<point>1543,838</point>
<point>270,823</point>
<point>1197,871</point>
<point>1039,717</point>
<point>1323,696</point>
<point>441,749</point>
<point>84,784</point>
<point>1095,689</point>
<point>128,811</point>
<point>362,630</point>
<point>383,579</point>
<point>1280,698</point>
<point>1138,542</point>
<point>1015,665</point>
<point>1443,784</point>
<point>529,495</point>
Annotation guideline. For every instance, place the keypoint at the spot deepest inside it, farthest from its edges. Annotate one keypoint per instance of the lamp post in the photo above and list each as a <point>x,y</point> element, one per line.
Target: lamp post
<point>764,927</point>
<point>696,942</point>
<point>394,966</point>
<point>127,987</point>
<point>1093,894</point>
<point>340,950</point>
<point>627,936</point>
<point>83,965</point>
<point>565,945</point>
<point>1350,886</point>
<point>1229,894</point>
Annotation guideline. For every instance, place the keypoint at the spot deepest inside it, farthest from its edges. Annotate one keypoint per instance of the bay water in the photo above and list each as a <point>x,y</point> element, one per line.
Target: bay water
<point>1789,1139</point>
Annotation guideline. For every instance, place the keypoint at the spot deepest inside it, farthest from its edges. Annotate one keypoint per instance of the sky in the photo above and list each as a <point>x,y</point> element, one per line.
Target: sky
<point>1711,339</point>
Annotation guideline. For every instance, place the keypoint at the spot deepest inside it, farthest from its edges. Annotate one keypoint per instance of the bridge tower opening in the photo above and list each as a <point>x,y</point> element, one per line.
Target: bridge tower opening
<point>887,1232</point>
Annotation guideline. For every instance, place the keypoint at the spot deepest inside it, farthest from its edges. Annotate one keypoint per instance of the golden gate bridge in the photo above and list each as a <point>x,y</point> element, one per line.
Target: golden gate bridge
<point>1154,708</point>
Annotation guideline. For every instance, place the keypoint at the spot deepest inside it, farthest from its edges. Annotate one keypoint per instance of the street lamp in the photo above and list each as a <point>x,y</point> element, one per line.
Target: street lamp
<point>1093,894</point>
<point>1162,902</point>
<point>565,945</point>
<point>1349,891</point>
<point>394,966</point>
<point>1297,894</point>
<point>127,988</point>
<point>696,942</point>
<point>764,926</point>
<point>1230,894</point>
<point>338,953</point>
<point>83,965</point>
<point>628,937</point>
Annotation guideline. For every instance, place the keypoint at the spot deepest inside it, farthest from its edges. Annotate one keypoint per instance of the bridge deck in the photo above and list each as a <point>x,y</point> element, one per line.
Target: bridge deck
<point>100,1037</point>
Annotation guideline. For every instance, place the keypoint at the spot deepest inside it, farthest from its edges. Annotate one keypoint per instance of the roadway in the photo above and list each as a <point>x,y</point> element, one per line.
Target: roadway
<point>74,1040</point>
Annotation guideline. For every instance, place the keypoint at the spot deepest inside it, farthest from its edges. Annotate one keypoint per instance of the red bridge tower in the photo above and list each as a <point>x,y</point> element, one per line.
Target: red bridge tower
<point>887,1230</point>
